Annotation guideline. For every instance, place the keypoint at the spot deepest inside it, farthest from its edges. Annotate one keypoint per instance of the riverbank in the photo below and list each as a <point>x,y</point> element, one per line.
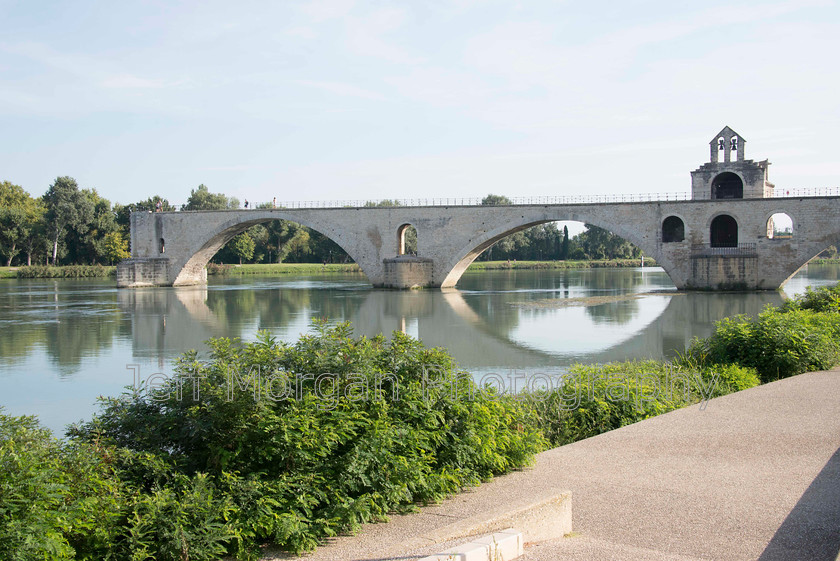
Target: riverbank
<point>214,269</point>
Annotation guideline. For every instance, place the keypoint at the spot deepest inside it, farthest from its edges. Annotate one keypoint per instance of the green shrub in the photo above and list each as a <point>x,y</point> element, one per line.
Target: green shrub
<point>57,500</point>
<point>293,471</point>
<point>823,299</point>
<point>219,269</point>
<point>69,271</point>
<point>778,343</point>
<point>593,399</point>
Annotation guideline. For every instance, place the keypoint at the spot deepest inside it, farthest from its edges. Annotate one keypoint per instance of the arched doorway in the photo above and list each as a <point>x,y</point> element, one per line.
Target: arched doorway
<point>727,185</point>
<point>724,231</point>
<point>673,230</point>
<point>406,240</point>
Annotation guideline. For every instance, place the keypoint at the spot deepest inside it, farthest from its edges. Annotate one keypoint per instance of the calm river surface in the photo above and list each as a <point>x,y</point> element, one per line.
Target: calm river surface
<point>64,342</point>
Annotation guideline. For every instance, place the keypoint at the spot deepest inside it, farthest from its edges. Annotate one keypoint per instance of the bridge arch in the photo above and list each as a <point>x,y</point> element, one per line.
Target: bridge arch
<point>193,265</point>
<point>462,259</point>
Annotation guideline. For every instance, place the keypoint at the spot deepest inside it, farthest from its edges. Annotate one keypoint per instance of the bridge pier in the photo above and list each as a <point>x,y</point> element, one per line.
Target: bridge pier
<point>408,271</point>
<point>144,271</point>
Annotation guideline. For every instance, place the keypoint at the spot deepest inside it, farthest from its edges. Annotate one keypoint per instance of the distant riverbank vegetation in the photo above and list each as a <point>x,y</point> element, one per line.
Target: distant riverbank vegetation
<point>70,225</point>
<point>279,444</point>
<point>320,268</point>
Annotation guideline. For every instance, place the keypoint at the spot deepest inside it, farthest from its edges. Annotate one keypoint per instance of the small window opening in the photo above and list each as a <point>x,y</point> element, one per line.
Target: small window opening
<point>673,230</point>
<point>406,240</point>
<point>780,227</point>
<point>162,246</point>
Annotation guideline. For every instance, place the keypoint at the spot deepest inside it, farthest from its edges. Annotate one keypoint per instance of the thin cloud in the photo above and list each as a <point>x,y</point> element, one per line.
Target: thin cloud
<point>342,89</point>
<point>130,81</point>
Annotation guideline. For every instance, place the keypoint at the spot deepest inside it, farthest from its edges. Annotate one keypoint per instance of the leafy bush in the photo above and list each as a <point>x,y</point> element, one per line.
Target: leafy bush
<point>57,500</point>
<point>392,425</point>
<point>778,343</point>
<point>219,269</point>
<point>66,272</point>
<point>823,299</point>
<point>594,399</point>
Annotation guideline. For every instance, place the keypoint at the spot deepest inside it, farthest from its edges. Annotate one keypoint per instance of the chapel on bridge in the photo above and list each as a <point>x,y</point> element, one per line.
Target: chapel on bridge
<point>728,175</point>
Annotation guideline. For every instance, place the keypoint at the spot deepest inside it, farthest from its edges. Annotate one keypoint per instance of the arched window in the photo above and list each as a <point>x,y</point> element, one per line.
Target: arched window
<point>673,230</point>
<point>406,240</point>
<point>727,185</point>
<point>780,227</point>
<point>724,231</point>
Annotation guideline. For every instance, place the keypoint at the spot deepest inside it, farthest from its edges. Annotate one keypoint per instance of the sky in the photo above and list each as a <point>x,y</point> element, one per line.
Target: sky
<point>353,100</point>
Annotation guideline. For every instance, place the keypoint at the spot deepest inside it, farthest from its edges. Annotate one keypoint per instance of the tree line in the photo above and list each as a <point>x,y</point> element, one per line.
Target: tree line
<point>71,225</point>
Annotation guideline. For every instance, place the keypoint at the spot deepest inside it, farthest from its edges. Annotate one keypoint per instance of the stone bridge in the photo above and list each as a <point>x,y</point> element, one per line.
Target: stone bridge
<point>712,244</point>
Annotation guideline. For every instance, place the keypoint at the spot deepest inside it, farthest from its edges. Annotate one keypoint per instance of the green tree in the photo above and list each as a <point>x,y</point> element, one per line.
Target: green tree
<point>35,240</point>
<point>564,251</point>
<point>88,246</point>
<point>598,243</point>
<point>67,208</point>
<point>496,200</point>
<point>123,212</point>
<point>12,220</point>
<point>243,246</point>
<point>15,208</point>
<point>115,248</point>
<point>202,199</point>
<point>12,195</point>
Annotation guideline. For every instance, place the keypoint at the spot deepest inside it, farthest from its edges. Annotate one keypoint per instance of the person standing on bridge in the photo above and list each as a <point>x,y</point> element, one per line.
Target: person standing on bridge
<point>246,204</point>
<point>274,202</point>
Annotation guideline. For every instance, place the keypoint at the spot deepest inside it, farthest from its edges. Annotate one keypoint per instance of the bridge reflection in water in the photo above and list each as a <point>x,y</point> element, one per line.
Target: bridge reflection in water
<point>516,320</point>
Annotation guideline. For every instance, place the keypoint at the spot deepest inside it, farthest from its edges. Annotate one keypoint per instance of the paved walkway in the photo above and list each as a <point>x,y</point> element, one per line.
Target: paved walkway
<point>755,475</point>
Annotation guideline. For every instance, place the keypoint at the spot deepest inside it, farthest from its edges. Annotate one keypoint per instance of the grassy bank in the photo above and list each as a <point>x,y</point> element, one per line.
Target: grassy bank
<point>85,271</point>
<point>65,272</point>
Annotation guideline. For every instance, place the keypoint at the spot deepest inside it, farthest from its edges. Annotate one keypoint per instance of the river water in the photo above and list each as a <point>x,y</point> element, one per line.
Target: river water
<point>65,342</point>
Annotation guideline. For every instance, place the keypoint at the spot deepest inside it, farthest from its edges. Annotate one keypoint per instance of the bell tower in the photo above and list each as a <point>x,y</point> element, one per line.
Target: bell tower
<point>728,175</point>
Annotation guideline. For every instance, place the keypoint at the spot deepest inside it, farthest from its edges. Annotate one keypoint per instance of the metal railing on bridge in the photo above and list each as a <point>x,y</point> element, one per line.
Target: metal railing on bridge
<point>741,250</point>
<point>477,201</point>
<point>544,200</point>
